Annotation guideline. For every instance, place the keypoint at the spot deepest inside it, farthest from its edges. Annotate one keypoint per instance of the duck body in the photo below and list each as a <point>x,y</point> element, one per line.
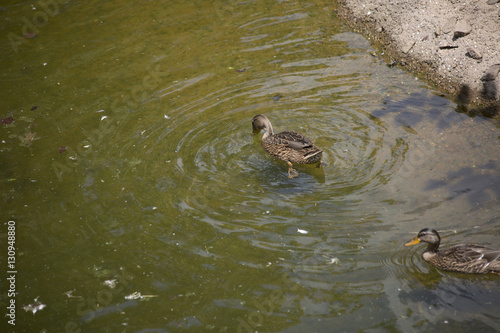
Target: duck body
<point>464,258</point>
<point>288,146</point>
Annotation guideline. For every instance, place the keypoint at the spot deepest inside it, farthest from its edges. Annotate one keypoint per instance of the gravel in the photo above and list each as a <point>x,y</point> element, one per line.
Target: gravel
<point>454,45</point>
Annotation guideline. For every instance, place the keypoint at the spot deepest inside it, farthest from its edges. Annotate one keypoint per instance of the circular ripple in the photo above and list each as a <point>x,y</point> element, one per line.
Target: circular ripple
<point>210,165</point>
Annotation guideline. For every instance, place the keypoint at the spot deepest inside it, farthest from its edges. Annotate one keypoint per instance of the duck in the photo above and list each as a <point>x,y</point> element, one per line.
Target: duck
<point>288,146</point>
<point>464,258</point>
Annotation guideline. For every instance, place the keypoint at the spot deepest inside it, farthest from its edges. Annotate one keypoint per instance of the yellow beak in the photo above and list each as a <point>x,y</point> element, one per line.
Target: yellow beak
<point>413,242</point>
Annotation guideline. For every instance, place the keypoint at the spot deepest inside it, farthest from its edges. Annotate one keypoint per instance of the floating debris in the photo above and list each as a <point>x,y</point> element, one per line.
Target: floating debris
<point>37,306</point>
<point>136,295</point>
<point>6,120</point>
<point>241,70</point>
<point>62,149</point>
<point>34,107</point>
<point>70,294</point>
<point>301,231</point>
<point>28,139</point>
<point>110,283</point>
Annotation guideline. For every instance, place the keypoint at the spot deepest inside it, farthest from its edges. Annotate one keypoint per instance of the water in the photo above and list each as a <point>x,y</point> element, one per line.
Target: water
<point>131,167</point>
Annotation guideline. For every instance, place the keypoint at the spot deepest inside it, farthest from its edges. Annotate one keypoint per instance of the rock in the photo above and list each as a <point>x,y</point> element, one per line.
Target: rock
<point>473,54</point>
<point>438,31</point>
<point>492,2</point>
<point>441,58</point>
<point>407,47</point>
<point>490,89</point>
<point>463,28</point>
<point>447,46</point>
<point>449,26</point>
<point>491,73</point>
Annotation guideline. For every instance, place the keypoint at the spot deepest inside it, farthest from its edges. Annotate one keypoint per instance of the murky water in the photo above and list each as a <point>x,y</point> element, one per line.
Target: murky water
<point>131,167</point>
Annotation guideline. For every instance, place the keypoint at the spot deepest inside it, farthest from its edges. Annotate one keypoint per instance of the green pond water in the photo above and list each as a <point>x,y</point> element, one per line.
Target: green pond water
<point>142,202</point>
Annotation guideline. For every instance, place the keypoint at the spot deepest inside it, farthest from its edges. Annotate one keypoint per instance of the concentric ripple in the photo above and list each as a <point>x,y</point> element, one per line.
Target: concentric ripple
<point>221,171</point>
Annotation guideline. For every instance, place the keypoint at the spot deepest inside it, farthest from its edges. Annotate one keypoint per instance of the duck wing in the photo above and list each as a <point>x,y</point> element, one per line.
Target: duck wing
<point>298,142</point>
<point>292,147</point>
<point>492,259</point>
<point>464,252</point>
<point>478,258</point>
<point>479,252</point>
<point>291,139</point>
<point>299,145</point>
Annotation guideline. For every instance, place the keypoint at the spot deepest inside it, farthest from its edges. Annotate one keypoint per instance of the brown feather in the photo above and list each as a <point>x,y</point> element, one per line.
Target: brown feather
<point>289,146</point>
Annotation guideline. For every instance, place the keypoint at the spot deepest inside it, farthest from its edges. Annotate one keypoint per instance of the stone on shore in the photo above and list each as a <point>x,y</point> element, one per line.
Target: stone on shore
<point>474,54</point>
<point>450,25</point>
<point>452,44</point>
<point>462,29</point>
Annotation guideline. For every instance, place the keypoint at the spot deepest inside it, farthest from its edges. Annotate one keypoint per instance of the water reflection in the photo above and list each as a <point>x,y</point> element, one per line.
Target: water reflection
<point>438,299</point>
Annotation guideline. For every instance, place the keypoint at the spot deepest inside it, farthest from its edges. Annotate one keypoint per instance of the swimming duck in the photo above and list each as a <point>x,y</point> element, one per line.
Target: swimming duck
<point>289,146</point>
<point>465,258</point>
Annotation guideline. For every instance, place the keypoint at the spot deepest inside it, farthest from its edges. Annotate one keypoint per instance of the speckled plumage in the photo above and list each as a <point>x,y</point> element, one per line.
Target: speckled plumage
<point>465,258</point>
<point>289,146</point>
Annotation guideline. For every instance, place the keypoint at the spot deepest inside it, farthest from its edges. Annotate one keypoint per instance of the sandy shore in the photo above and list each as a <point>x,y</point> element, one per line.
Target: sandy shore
<point>452,44</point>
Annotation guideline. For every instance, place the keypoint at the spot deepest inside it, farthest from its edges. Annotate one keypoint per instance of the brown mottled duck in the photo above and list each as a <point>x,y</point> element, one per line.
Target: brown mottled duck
<point>288,146</point>
<point>465,258</point>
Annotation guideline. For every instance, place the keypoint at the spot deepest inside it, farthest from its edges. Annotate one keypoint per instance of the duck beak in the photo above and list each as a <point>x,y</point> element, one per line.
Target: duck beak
<point>413,242</point>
